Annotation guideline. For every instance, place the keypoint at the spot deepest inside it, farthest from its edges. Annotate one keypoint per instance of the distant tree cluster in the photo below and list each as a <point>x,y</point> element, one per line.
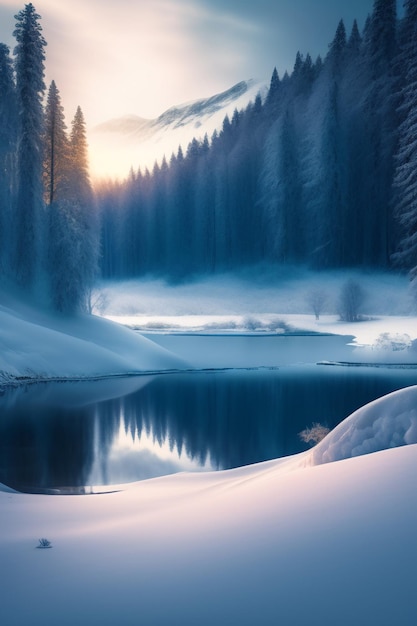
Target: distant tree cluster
<point>323,171</point>
<point>48,223</point>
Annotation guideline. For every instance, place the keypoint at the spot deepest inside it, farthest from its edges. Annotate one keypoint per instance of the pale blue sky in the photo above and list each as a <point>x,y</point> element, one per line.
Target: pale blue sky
<point>140,56</point>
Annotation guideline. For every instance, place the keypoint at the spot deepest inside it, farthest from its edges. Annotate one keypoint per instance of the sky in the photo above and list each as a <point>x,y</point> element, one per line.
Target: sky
<point>117,57</point>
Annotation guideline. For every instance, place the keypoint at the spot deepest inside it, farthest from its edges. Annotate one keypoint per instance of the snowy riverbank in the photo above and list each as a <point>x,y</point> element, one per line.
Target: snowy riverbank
<point>290,541</point>
<point>324,538</point>
<point>36,345</point>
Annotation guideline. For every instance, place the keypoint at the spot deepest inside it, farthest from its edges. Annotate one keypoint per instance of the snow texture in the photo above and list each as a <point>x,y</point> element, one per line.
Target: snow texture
<point>387,422</point>
<point>299,540</point>
<point>39,345</point>
<point>281,542</point>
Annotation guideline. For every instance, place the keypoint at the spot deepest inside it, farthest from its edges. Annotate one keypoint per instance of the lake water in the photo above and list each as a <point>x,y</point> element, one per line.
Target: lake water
<point>69,436</point>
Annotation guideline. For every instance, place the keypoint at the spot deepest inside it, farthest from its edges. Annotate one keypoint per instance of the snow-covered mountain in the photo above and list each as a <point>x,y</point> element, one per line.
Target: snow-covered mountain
<point>133,141</point>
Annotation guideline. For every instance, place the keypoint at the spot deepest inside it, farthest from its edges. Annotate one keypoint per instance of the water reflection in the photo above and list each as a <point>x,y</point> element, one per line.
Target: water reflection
<point>59,435</point>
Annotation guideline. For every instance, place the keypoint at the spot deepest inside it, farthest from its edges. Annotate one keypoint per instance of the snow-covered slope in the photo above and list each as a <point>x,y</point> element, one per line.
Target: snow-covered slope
<point>132,141</point>
<point>282,542</point>
<point>35,344</point>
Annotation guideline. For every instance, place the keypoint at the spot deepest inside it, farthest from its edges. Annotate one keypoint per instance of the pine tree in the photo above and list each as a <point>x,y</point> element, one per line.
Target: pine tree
<point>272,99</point>
<point>325,178</point>
<point>355,39</point>
<point>56,193</point>
<point>85,216</point>
<point>30,88</point>
<point>8,121</point>
<point>56,149</point>
<point>406,161</point>
<point>337,48</point>
<point>282,194</point>
<point>381,122</point>
<point>72,220</point>
<point>80,181</point>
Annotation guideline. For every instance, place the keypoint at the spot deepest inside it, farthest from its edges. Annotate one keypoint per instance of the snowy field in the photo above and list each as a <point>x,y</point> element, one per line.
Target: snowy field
<point>36,345</point>
<point>292,541</point>
<point>322,538</point>
<point>268,304</point>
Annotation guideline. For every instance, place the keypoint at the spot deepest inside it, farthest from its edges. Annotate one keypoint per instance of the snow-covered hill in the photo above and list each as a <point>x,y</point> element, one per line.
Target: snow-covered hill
<point>36,345</point>
<point>132,141</point>
<point>289,541</point>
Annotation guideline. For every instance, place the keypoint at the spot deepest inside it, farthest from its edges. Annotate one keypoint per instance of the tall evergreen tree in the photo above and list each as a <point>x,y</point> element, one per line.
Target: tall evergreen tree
<point>337,48</point>
<point>56,149</point>
<point>272,99</point>
<point>30,88</point>
<point>282,194</point>
<point>406,161</point>
<point>7,154</point>
<point>381,121</point>
<point>73,228</point>
<point>84,216</point>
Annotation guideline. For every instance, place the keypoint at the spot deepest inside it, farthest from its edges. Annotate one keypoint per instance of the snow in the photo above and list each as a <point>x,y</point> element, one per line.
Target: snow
<point>290,541</point>
<point>324,537</point>
<point>36,344</point>
<point>131,141</point>
<point>273,302</point>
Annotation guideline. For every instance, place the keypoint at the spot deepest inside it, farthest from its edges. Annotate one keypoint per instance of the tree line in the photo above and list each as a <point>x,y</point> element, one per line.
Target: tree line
<point>322,171</point>
<point>49,230</point>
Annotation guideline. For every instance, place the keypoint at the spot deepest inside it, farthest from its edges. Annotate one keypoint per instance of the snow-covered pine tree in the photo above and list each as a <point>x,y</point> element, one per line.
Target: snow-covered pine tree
<point>281,194</point>
<point>73,229</point>
<point>84,216</point>
<point>272,99</point>
<point>56,193</point>
<point>8,120</point>
<point>324,174</point>
<point>406,161</point>
<point>380,122</point>
<point>30,87</point>
<point>56,149</point>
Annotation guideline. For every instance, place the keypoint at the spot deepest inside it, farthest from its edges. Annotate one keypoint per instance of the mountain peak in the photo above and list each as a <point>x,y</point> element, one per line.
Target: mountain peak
<point>133,141</point>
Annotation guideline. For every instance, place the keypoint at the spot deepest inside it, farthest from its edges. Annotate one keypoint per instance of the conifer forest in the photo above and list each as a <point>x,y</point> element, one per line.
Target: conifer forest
<point>321,171</point>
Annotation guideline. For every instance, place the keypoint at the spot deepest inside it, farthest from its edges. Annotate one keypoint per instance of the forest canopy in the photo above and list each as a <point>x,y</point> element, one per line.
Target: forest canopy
<point>320,172</point>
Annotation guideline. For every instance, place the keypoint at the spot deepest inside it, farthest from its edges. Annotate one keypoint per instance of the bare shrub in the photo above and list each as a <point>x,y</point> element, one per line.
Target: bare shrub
<point>316,299</point>
<point>352,297</point>
<point>98,302</point>
<point>313,435</point>
<point>393,342</point>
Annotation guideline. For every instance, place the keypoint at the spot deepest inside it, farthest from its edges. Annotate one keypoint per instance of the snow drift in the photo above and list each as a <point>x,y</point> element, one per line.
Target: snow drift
<point>35,344</point>
<point>277,542</point>
<point>387,422</point>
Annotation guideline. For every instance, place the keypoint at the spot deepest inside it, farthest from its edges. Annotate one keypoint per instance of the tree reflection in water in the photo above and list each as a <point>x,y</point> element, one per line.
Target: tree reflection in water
<point>70,435</point>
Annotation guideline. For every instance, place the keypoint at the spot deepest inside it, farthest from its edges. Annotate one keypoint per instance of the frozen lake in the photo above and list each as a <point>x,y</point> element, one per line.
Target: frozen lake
<point>67,436</point>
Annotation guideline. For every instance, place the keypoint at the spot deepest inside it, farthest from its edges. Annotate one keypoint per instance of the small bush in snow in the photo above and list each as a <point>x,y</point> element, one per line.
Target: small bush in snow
<point>278,325</point>
<point>352,297</point>
<point>252,323</point>
<point>395,343</point>
<point>98,302</point>
<point>44,543</point>
<point>314,434</point>
<point>274,325</point>
<point>316,299</point>
<point>413,346</point>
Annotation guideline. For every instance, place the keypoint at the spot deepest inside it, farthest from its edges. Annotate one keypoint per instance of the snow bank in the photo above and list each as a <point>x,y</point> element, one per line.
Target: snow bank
<point>282,542</point>
<point>35,344</point>
<point>273,300</point>
<point>387,422</point>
